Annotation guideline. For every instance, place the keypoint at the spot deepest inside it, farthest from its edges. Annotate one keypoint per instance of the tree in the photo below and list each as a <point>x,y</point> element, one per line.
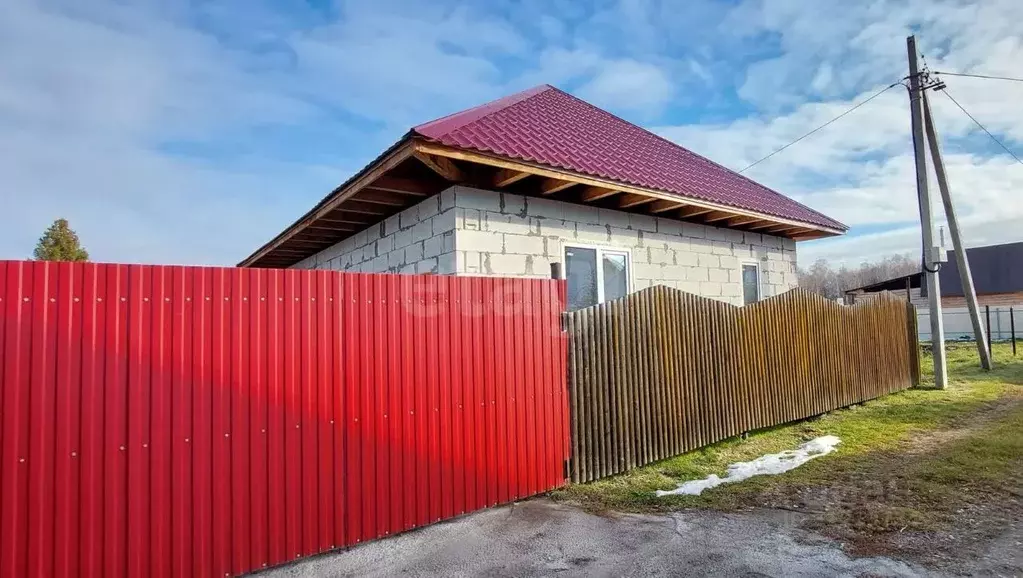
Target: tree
<point>60,243</point>
<point>832,283</point>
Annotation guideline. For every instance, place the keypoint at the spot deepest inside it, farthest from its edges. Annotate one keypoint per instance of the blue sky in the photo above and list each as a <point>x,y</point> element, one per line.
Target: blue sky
<point>191,132</point>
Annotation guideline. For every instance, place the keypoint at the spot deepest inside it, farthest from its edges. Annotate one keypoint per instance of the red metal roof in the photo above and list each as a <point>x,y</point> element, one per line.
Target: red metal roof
<point>550,127</point>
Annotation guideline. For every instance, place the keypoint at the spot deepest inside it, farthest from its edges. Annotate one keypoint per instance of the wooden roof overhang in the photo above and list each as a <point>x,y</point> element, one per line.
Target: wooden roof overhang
<point>414,169</point>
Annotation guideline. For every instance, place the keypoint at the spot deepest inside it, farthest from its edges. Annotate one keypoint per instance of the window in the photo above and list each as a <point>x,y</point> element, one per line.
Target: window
<point>750,283</point>
<point>595,275</point>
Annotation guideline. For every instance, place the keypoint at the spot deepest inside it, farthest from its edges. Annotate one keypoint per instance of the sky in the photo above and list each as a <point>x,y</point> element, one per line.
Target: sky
<point>180,131</point>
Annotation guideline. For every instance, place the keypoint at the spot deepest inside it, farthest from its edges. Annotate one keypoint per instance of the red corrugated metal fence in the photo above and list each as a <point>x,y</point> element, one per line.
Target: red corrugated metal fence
<point>193,421</point>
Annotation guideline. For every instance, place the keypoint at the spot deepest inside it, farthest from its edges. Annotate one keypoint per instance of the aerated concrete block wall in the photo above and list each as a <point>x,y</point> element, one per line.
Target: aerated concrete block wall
<point>420,239</point>
<point>512,235</point>
<point>476,232</point>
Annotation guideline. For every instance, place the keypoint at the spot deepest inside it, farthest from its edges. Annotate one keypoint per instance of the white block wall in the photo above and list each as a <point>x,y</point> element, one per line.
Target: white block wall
<point>420,239</point>
<point>512,235</point>
<point>475,232</point>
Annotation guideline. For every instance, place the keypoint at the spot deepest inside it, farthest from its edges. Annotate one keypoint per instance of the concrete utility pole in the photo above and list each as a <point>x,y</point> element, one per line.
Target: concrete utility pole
<point>965,277</point>
<point>926,226</point>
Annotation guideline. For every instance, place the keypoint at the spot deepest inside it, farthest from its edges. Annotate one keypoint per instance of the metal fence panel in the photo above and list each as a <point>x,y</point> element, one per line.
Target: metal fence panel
<point>194,421</point>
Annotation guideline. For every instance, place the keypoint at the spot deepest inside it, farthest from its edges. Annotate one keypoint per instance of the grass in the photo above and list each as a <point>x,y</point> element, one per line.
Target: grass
<point>904,460</point>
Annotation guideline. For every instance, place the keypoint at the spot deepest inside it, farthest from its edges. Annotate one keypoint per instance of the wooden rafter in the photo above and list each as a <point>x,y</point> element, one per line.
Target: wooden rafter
<point>331,228</point>
<point>662,205</point>
<point>311,243</point>
<point>374,194</point>
<point>632,199</point>
<point>699,206</point>
<point>505,177</point>
<point>799,232</point>
<point>551,186</point>
<point>715,216</point>
<point>341,224</point>
<point>784,228</point>
<point>742,221</point>
<point>292,248</point>
<point>692,211</point>
<point>283,252</point>
<point>362,207</point>
<point>402,186</point>
<point>590,194</point>
<point>343,219</point>
<point>381,198</point>
<point>313,246</point>
<point>318,236</point>
<point>806,236</point>
<point>443,166</point>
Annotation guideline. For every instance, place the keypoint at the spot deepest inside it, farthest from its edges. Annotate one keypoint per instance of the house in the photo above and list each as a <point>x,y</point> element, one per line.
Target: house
<point>997,278</point>
<point>541,177</point>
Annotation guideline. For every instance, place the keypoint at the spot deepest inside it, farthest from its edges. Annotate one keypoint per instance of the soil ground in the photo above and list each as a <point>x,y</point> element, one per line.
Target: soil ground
<point>933,478</point>
<point>925,483</point>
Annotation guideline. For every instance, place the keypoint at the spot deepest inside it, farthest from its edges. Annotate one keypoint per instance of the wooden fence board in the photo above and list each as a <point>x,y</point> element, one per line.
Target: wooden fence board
<point>661,372</point>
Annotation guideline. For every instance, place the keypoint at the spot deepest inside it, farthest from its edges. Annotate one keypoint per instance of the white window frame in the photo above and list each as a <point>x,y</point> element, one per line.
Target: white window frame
<point>760,280</point>
<point>601,249</point>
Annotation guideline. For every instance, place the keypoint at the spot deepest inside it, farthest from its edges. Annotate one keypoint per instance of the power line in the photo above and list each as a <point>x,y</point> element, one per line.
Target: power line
<point>986,76</point>
<point>877,94</point>
<point>977,122</point>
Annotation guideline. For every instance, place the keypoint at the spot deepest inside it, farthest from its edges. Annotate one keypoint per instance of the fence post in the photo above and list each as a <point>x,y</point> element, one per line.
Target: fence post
<point>987,321</point>
<point>1012,330</point>
<point>914,342</point>
<point>557,275</point>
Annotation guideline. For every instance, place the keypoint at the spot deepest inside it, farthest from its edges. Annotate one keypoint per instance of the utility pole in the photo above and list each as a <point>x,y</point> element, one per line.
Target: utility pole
<point>926,226</point>
<point>965,278</point>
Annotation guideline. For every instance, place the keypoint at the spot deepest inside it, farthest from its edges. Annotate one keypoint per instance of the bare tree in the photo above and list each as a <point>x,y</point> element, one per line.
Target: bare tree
<point>832,283</point>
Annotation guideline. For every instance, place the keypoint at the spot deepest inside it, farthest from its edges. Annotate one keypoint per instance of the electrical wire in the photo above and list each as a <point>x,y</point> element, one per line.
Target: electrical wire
<point>875,95</point>
<point>985,76</point>
<point>977,122</point>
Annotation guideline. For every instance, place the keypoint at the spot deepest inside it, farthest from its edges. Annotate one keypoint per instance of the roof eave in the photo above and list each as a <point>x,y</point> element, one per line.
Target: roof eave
<point>413,144</point>
<point>427,146</point>
<point>387,160</point>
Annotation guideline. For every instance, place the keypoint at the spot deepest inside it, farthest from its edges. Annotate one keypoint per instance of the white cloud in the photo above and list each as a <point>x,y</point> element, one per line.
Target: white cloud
<point>700,71</point>
<point>823,81</point>
<point>93,99</point>
<point>860,170</point>
<point>865,42</point>
<point>168,131</point>
<point>88,97</point>
<point>397,63</point>
<point>131,204</point>
<point>627,84</point>
<point>182,133</point>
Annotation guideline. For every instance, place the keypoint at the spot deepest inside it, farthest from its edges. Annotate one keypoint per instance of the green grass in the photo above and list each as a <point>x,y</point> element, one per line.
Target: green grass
<point>871,433</point>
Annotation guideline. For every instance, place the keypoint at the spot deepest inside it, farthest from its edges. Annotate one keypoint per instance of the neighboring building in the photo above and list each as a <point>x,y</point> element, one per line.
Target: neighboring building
<point>997,277</point>
<point>906,287</point>
<point>541,177</point>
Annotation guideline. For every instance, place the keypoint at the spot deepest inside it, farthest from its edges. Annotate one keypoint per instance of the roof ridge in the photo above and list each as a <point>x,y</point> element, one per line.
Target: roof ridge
<point>446,124</point>
<point>695,154</point>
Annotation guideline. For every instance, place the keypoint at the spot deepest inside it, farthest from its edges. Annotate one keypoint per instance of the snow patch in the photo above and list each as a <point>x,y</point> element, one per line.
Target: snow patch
<point>762,466</point>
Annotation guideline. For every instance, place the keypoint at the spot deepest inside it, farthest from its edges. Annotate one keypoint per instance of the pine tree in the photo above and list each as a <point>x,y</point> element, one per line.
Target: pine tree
<point>60,243</point>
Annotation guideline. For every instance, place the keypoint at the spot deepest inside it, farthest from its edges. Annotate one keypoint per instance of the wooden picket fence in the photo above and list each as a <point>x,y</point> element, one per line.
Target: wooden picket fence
<point>661,372</point>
